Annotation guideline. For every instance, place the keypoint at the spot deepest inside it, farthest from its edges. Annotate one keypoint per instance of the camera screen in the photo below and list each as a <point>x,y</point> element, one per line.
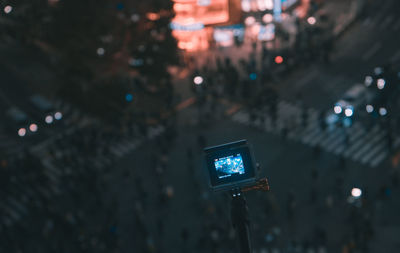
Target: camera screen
<point>229,165</point>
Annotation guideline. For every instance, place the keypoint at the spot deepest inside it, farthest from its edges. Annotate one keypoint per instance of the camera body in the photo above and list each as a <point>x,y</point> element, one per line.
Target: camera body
<point>230,165</point>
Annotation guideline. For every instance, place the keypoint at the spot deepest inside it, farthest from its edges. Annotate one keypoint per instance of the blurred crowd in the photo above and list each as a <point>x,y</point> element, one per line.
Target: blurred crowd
<point>59,203</point>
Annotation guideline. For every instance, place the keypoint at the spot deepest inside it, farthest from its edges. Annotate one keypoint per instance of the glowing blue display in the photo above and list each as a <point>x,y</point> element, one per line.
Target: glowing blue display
<point>228,166</point>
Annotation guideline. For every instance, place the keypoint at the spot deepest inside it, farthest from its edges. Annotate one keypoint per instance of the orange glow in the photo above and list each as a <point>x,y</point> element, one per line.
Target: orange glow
<point>193,40</point>
<point>153,16</point>
<point>189,12</point>
<point>278,59</point>
<point>194,21</point>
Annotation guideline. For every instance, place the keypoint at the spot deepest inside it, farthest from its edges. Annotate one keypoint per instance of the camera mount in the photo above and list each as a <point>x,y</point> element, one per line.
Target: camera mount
<point>239,213</point>
<point>232,168</point>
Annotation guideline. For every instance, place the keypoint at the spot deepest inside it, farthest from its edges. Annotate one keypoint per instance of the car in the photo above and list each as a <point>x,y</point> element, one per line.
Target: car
<point>20,122</point>
<point>385,84</point>
<point>46,109</point>
<point>346,108</point>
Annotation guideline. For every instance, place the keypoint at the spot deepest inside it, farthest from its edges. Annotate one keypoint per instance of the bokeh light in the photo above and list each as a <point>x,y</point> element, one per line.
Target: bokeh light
<point>8,9</point>
<point>198,80</point>
<point>278,59</point>
<point>22,132</point>
<point>356,192</point>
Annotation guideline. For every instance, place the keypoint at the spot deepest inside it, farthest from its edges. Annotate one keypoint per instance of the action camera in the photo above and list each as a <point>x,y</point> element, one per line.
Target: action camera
<point>230,165</point>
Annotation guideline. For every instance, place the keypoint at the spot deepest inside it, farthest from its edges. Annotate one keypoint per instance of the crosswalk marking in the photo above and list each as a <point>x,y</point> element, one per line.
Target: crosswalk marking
<point>367,146</point>
<point>360,142</point>
<point>355,143</point>
<point>373,152</point>
<point>335,143</point>
<point>336,134</point>
<point>379,159</point>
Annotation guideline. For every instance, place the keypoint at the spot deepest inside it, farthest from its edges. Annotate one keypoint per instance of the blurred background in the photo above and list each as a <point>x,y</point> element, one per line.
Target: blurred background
<point>107,105</point>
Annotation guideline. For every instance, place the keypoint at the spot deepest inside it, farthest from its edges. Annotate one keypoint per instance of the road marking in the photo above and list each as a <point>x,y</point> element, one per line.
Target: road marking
<point>367,147</point>
<point>319,138</point>
<point>373,152</point>
<point>378,159</point>
<point>359,142</point>
<point>373,50</point>
<point>336,134</point>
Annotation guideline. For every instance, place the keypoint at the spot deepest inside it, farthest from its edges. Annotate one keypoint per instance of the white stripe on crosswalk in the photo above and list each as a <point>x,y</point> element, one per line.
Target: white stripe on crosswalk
<point>311,135</point>
<point>342,145</point>
<point>355,132</point>
<point>336,134</point>
<point>336,143</point>
<point>379,158</point>
<point>360,141</point>
<point>368,146</point>
<point>365,147</point>
<point>373,152</point>
<point>319,138</point>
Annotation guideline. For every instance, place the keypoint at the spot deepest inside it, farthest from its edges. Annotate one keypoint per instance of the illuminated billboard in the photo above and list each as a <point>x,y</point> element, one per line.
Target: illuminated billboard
<point>201,12</point>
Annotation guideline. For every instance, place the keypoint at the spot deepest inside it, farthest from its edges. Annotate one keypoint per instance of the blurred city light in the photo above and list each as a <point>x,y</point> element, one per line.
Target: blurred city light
<point>381,83</point>
<point>246,5</point>
<point>135,18</point>
<point>378,71</point>
<point>368,80</point>
<point>22,132</point>
<point>268,18</point>
<point>369,108</point>
<point>269,4</point>
<point>128,97</point>
<point>8,9</point>
<point>203,2</point>
<point>250,20</point>
<point>120,6</point>
<point>49,119</point>
<point>33,127</point>
<point>253,76</point>
<point>153,16</point>
<point>348,112</point>
<point>100,51</point>
<point>58,115</point>
<point>198,80</point>
<point>382,111</point>
<point>356,192</point>
<point>278,59</point>
<point>337,109</point>
<point>311,20</point>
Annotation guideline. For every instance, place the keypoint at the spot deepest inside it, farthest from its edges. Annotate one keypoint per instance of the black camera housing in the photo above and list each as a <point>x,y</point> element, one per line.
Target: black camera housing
<point>230,165</point>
